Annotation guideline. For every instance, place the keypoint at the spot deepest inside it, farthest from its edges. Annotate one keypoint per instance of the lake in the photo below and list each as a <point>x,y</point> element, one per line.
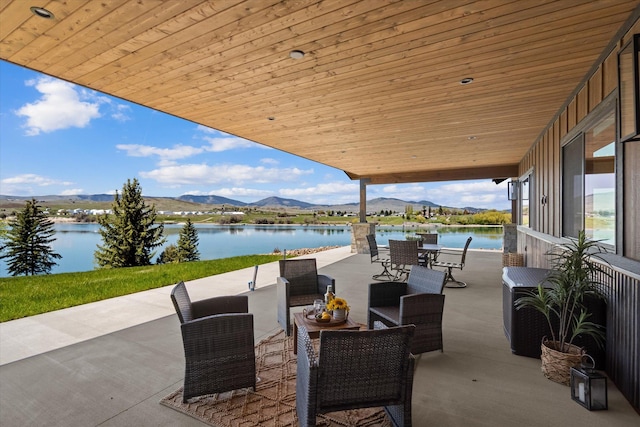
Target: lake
<point>77,242</point>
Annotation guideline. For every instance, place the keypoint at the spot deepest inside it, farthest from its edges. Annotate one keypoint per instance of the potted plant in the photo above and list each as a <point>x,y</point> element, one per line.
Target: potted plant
<point>574,278</point>
<point>339,308</point>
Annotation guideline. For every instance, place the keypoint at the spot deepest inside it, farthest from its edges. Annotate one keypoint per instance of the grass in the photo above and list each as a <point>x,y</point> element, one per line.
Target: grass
<point>29,295</point>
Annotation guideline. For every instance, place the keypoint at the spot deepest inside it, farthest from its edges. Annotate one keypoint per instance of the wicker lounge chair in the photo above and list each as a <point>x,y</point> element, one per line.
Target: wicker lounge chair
<point>385,262</point>
<point>419,301</point>
<point>355,369</point>
<point>299,284</point>
<point>217,334</point>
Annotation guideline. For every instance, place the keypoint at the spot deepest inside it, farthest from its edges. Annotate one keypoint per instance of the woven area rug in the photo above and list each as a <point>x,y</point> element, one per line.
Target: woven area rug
<point>274,401</point>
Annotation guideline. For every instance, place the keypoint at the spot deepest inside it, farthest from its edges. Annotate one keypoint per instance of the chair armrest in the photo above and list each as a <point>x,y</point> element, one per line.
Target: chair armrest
<point>386,293</point>
<point>420,308</point>
<point>220,305</point>
<point>323,283</point>
<point>306,379</point>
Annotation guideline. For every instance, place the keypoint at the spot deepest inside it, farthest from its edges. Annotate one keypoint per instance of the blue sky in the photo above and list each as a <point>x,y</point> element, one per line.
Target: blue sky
<point>62,139</point>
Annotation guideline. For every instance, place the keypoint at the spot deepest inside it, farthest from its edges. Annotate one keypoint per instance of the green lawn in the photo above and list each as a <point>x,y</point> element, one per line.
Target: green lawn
<point>29,295</point>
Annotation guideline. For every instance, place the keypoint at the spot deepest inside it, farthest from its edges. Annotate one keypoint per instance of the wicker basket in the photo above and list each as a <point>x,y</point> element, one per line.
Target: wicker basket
<point>512,259</point>
<point>556,365</point>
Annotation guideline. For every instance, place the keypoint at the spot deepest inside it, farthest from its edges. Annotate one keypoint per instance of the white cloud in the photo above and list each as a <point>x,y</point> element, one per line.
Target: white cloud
<point>269,161</point>
<point>72,192</point>
<point>242,192</point>
<point>352,190</point>
<point>60,107</point>
<point>121,113</point>
<point>178,151</point>
<point>412,192</point>
<point>217,145</point>
<point>202,174</point>
<point>25,184</point>
<point>477,194</point>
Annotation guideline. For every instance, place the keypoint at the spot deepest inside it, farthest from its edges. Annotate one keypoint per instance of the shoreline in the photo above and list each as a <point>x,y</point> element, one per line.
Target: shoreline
<point>409,225</point>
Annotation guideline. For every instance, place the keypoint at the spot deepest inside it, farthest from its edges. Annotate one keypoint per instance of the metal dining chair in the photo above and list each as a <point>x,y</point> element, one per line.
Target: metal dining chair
<point>403,254</point>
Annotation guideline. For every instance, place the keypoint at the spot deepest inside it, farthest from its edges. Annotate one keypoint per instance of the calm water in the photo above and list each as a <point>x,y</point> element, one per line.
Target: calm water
<point>77,242</point>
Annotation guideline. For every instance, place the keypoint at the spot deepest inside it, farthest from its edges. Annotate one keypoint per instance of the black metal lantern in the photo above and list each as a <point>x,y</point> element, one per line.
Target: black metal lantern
<point>629,90</point>
<point>589,387</point>
<point>512,190</point>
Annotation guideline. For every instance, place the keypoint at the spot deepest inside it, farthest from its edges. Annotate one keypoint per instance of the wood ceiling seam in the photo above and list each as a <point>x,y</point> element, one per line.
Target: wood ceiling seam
<point>177,37</point>
<point>203,40</point>
<point>23,27</point>
<point>205,88</point>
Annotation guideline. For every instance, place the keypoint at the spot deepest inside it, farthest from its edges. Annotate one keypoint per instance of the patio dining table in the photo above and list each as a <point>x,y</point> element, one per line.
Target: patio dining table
<point>430,252</point>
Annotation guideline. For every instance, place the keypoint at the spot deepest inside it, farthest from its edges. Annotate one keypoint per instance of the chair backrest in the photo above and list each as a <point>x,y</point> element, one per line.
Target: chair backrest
<point>377,358</point>
<point>373,246</point>
<point>424,280</point>
<point>464,251</point>
<point>429,238</point>
<point>302,275</point>
<point>403,252</point>
<point>182,302</point>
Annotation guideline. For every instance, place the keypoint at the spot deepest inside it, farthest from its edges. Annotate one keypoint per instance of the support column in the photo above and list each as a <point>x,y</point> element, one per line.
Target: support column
<point>359,233</point>
<point>360,230</point>
<point>363,200</point>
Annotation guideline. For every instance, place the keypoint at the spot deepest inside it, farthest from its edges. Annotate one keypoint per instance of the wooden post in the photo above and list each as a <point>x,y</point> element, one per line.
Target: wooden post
<point>363,200</point>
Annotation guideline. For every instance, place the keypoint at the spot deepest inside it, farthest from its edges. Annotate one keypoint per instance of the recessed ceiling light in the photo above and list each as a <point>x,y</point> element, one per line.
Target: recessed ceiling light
<point>466,80</point>
<point>472,137</point>
<point>41,12</point>
<point>296,54</point>
<point>271,118</point>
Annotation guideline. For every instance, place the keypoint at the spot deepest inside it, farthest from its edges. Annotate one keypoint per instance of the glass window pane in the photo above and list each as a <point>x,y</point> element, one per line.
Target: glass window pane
<point>524,200</point>
<point>572,187</point>
<point>600,181</point>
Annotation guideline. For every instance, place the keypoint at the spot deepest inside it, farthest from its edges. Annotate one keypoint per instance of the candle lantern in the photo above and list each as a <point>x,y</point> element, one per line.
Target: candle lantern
<point>588,386</point>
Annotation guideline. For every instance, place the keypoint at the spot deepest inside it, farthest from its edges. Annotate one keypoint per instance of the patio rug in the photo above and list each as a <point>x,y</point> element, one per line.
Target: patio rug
<point>274,401</point>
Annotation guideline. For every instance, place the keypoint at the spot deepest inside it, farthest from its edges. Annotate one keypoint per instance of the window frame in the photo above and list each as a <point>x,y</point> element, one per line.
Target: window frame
<point>605,108</point>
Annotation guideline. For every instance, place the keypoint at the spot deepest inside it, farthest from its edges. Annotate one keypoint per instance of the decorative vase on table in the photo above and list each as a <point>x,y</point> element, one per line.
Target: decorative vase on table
<point>340,314</point>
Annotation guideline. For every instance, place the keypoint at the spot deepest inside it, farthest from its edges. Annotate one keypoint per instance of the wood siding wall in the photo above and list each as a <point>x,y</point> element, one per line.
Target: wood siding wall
<point>623,284</point>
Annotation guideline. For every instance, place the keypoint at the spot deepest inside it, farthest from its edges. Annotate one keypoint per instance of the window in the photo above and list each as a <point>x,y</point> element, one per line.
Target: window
<point>589,182</point>
<point>525,191</point>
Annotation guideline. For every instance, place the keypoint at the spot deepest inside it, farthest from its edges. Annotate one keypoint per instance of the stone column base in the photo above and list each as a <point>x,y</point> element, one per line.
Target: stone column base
<point>359,232</point>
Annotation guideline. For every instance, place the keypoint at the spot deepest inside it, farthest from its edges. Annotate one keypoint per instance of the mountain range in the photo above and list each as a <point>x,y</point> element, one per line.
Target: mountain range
<point>373,205</point>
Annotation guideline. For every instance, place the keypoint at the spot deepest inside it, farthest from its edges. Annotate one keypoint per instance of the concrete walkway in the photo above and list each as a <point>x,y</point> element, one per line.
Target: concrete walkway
<point>39,334</point>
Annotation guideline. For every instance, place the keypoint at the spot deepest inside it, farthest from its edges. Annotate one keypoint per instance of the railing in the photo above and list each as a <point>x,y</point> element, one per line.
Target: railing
<point>622,291</point>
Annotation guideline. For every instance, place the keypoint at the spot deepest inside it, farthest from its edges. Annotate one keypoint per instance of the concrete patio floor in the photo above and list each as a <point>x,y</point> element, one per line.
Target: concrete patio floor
<point>109,363</point>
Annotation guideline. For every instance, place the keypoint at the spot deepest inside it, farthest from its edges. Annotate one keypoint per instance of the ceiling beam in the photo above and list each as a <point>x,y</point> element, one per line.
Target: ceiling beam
<point>498,171</point>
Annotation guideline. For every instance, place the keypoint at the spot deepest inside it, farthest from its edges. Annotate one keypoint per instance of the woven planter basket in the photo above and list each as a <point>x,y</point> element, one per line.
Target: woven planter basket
<point>512,259</point>
<point>556,365</point>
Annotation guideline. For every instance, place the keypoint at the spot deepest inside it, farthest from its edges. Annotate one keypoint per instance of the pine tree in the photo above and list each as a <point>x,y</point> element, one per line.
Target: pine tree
<point>130,233</point>
<point>27,242</point>
<point>188,243</point>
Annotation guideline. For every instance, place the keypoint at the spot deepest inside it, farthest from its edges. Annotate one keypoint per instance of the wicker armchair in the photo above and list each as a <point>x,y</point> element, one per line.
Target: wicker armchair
<point>449,260</point>
<point>403,254</point>
<point>299,284</point>
<point>217,334</point>
<point>355,369</point>
<point>419,301</point>
<point>385,262</point>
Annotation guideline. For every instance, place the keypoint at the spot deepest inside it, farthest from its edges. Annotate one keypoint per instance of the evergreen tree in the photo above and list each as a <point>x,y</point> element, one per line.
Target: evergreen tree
<point>130,233</point>
<point>168,255</point>
<point>27,242</point>
<point>188,243</point>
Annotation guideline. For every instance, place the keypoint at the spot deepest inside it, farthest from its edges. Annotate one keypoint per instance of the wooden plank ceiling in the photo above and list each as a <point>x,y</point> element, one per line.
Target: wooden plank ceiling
<point>377,93</point>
